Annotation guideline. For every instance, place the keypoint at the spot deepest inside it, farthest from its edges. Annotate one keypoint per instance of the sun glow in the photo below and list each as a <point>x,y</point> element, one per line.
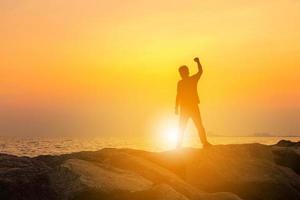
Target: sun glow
<point>168,133</point>
<point>171,135</point>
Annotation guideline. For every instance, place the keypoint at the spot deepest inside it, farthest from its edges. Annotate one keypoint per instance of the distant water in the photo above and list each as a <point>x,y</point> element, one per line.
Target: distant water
<point>42,146</point>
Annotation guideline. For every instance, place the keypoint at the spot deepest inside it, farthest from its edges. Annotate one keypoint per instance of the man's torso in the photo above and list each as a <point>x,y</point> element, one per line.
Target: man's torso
<point>188,93</point>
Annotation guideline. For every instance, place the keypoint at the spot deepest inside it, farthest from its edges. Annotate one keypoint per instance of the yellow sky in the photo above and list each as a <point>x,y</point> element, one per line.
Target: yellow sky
<point>106,67</point>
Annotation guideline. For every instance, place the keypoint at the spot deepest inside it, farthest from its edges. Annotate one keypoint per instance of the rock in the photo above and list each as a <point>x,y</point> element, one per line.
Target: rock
<point>246,170</point>
<point>165,192</point>
<point>222,172</point>
<point>24,178</point>
<point>287,143</point>
<point>287,156</point>
<point>106,178</point>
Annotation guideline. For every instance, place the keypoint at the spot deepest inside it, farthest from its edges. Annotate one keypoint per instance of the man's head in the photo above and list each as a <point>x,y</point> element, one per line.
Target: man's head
<point>184,71</point>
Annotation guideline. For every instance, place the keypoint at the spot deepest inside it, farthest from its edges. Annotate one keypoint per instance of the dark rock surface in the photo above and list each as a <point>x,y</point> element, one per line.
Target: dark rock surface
<point>222,172</point>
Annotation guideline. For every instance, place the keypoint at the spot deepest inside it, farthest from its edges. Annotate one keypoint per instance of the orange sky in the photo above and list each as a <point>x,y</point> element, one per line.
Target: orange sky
<point>110,67</point>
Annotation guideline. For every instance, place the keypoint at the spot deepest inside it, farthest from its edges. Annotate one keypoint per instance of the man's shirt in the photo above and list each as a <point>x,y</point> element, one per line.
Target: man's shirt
<point>187,91</point>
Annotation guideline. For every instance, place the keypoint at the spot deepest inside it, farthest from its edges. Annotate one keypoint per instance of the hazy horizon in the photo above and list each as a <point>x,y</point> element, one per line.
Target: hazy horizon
<point>109,68</point>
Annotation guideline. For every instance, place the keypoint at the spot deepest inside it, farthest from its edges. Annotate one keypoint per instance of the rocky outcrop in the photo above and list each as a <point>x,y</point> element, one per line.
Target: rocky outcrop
<point>222,172</point>
<point>287,153</point>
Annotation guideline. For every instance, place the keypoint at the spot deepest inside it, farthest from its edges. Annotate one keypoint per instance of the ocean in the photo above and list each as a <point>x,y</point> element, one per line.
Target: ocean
<point>54,146</point>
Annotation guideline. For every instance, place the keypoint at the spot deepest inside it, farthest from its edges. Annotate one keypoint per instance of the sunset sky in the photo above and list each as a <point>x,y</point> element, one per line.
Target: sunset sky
<point>109,68</point>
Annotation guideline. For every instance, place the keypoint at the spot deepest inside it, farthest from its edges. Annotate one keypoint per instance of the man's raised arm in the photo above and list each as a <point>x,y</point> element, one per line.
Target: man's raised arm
<point>200,70</point>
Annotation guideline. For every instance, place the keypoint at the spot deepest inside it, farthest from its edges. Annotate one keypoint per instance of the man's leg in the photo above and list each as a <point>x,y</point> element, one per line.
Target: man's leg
<point>198,123</point>
<point>182,126</point>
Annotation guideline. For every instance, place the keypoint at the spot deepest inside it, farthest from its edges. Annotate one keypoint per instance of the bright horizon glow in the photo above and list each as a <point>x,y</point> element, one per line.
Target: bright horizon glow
<point>109,68</point>
<point>171,136</point>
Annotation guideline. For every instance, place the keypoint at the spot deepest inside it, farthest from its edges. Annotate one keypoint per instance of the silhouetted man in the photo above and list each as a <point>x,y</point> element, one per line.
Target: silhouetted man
<point>187,99</point>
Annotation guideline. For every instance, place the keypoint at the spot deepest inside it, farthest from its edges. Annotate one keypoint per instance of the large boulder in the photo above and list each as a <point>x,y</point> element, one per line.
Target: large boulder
<point>287,143</point>
<point>252,171</point>
<point>106,178</point>
<point>287,153</point>
<point>246,170</point>
<point>24,178</point>
<point>111,171</point>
